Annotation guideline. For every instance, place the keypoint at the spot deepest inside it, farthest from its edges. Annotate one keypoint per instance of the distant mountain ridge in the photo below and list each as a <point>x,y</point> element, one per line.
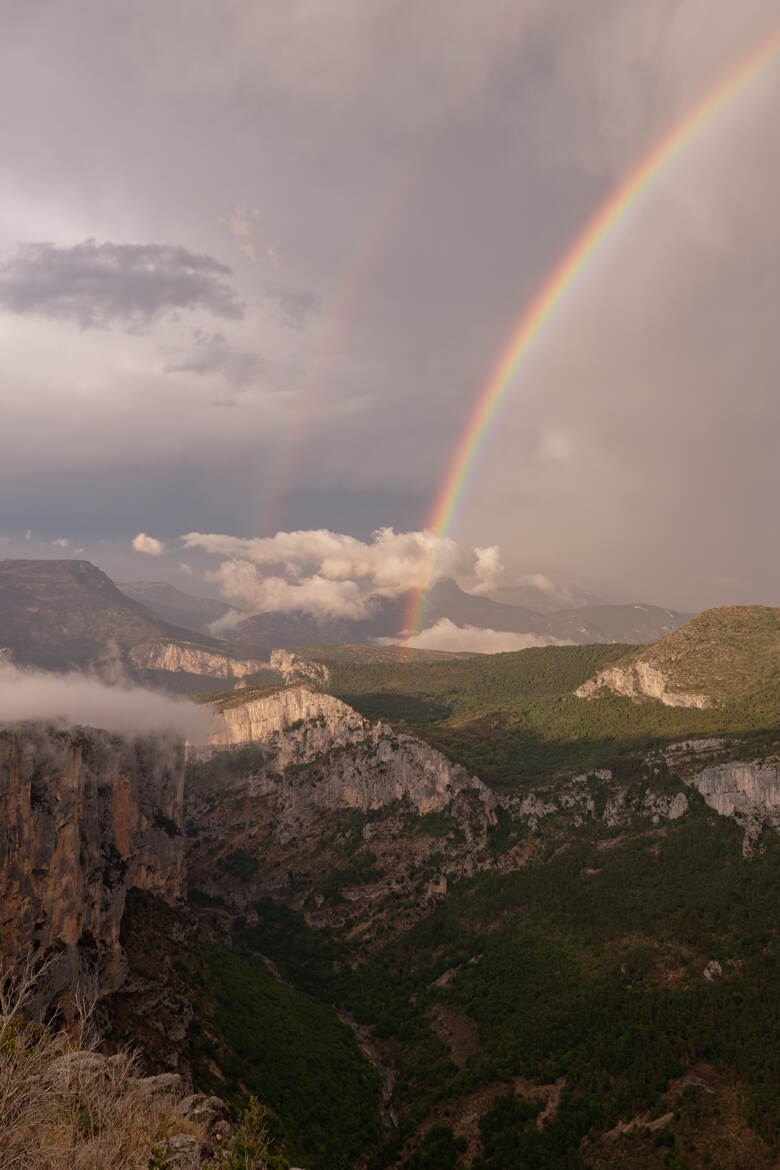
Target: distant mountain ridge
<point>592,623</point>
<point>174,605</point>
<point>546,596</point>
<point>67,614</point>
<point>63,613</point>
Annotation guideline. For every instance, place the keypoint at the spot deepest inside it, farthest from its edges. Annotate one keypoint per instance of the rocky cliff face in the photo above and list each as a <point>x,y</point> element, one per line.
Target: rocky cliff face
<point>641,680</point>
<point>295,669</point>
<point>340,759</point>
<point>297,721</point>
<point>333,811</point>
<point>176,658</point>
<point>86,816</point>
<point>750,793</point>
<point>598,797</point>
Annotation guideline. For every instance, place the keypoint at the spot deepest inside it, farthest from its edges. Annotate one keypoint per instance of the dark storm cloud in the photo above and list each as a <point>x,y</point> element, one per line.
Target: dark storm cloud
<point>101,284</point>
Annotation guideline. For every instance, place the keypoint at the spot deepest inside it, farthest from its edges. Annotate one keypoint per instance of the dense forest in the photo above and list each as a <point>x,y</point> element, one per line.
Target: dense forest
<point>513,718</point>
<point>595,979</point>
<point>613,1001</point>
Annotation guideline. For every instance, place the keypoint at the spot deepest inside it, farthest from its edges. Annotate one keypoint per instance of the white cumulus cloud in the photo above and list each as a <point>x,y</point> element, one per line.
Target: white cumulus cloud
<point>487,569</point>
<point>148,544</point>
<point>333,574</point>
<point>241,583</point>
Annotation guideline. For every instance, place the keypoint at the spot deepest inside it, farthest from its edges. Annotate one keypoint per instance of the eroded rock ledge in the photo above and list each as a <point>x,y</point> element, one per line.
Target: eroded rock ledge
<point>86,816</point>
<point>749,793</point>
<point>321,756</point>
<point>176,658</point>
<point>641,680</point>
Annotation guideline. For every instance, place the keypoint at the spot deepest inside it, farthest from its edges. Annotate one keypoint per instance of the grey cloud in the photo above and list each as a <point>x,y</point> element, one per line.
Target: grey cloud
<point>97,285</point>
<point>294,307</point>
<point>214,355</point>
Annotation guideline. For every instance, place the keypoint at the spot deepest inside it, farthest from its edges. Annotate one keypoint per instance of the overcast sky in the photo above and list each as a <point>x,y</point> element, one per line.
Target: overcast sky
<point>257,261</point>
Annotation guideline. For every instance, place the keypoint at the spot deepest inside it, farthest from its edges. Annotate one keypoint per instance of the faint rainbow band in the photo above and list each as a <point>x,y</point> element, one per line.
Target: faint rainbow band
<point>551,294</point>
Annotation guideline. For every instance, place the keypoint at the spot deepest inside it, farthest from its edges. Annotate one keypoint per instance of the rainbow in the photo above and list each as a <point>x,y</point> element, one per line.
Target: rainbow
<point>278,473</point>
<point>556,287</point>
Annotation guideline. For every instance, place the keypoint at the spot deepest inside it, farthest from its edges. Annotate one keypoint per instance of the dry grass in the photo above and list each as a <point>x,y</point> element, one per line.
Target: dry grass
<point>65,1106</point>
<point>61,1103</point>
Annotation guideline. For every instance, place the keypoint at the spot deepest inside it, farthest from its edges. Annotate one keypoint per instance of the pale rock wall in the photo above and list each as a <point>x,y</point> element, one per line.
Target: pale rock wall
<point>295,669</point>
<point>182,659</point>
<point>640,680</point>
<point>299,723</point>
<point>86,815</point>
<point>343,760</point>
<point>749,793</point>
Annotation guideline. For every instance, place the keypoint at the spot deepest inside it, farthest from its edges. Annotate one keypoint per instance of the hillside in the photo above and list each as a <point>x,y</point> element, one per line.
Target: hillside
<point>174,606</point>
<point>67,614</point>
<point>614,623</point>
<point>721,656</point>
<point>513,718</point>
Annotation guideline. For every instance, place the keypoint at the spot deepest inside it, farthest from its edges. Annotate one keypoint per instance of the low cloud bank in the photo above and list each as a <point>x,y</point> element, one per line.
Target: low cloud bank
<point>78,698</point>
<point>445,635</point>
<point>333,575</point>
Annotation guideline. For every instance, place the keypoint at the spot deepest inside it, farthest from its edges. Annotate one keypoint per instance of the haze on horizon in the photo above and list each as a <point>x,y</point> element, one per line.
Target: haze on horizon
<point>257,262</point>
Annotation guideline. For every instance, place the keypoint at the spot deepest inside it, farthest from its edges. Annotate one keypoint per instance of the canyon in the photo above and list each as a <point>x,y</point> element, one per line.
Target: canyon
<point>305,871</point>
<point>90,816</point>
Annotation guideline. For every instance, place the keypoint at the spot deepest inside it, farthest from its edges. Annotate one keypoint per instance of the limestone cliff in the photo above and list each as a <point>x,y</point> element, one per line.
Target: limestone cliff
<point>750,793</point>
<point>340,759</point>
<point>326,789</point>
<point>599,797</point>
<point>297,721</point>
<point>641,680</point>
<point>86,816</point>
<point>179,658</point>
<point>295,669</point>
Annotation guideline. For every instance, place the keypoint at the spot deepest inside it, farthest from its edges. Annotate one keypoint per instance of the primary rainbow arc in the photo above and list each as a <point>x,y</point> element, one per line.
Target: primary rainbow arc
<point>553,291</point>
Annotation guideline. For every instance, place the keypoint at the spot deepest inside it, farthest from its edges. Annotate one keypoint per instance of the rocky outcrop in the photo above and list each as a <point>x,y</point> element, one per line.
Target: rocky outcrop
<point>179,658</point>
<point>298,722</point>
<point>295,669</point>
<point>322,756</point>
<point>596,797</point>
<point>640,680</point>
<point>749,793</point>
<point>86,816</point>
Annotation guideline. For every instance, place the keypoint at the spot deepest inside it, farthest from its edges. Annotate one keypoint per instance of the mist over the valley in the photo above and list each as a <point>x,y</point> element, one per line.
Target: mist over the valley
<point>75,697</point>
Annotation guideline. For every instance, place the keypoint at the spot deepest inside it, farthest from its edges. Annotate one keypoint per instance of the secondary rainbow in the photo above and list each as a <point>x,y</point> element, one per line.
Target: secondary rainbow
<point>554,290</point>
